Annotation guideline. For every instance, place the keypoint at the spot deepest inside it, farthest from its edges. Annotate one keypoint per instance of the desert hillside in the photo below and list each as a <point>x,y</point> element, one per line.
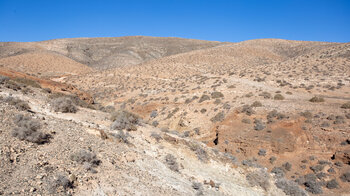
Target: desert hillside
<point>171,116</point>
<point>105,53</point>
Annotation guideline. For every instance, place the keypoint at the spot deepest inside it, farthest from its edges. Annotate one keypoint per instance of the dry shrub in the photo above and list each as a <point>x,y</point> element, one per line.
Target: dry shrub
<point>259,178</point>
<point>64,105</point>
<point>124,120</point>
<point>27,129</point>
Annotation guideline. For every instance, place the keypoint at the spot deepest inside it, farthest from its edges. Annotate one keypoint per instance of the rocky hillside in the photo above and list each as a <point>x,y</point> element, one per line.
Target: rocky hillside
<point>104,53</point>
<point>170,116</point>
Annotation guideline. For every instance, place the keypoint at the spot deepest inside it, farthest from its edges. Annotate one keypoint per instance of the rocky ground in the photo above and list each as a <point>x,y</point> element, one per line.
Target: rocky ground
<point>217,114</point>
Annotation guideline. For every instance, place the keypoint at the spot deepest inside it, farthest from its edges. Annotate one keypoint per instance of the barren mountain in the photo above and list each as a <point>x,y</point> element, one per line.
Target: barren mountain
<point>104,53</point>
<point>179,117</point>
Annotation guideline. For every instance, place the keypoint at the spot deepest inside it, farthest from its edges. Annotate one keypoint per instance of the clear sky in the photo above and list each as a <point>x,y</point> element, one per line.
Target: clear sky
<point>221,20</point>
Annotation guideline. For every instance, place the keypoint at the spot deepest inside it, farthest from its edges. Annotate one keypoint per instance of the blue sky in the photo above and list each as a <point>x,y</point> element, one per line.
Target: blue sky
<point>221,20</point>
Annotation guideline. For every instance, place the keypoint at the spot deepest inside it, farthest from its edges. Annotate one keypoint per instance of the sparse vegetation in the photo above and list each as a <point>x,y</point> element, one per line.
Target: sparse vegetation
<point>124,120</point>
<point>156,136</point>
<point>259,178</point>
<point>345,177</point>
<point>87,159</point>
<point>18,103</point>
<point>27,129</point>
<point>259,125</point>
<point>345,105</point>
<point>332,184</point>
<point>317,99</point>
<point>256,104</point>
<point>289,187</point>
<point>64,105</point>
<point>59,183</point>
<point>218,117</point>
<point>4,79</point>
<point>204,98</point>
<point>27,82</point>
<point>216,95</point>
<point>246,121</point>
<point>171,162</point>
<point>278,97</point>
<point>248,110</point>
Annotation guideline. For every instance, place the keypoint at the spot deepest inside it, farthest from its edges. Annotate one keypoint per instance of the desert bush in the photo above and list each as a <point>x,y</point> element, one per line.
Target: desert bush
<point>259,125</point>
<point>154,114</point>
<point>155,123</point>
<point>197,186</point>
<point>203,110</point>
<point>278,171</point>
<point>317,168</point>
<point>64,105</point>
<point>12,85</point>
<point>287,166</point>
<point>278,97</point>
<point>156,136</point>
<point>347,115</point>
<point>313,187</point>
<point>216,95</point>
<point>266,95</point>
<point>272,159</point>
<point>18,103</point>
<point>246,121</point>
<point>121,136</point>
<point>124,120</point>
<point>108,109</point>
<point>306,114</point>
<point>4,79</point>
<point>345,105</point>
<point>202,155</point>
<point>262,152</point>
<point>256,104</point>
<point>248,110</point>
<point>289,187</point>
<point>27,129</point>
<point>27,82</point>
<point>250,94</point>
<point>345,177</point>
<point>59,182</point>
<point>87,159</point>
<point>204,98</point>
<point>316,99</point>
<point>332,184</point>
<point>170,160</point>
<point>217,101</point>
<point>218,117</point>
<point>259,178</point>
<point>74,98</point>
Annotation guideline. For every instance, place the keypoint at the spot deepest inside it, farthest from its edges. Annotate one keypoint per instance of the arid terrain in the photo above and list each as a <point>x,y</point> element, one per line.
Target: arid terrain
<point>171,116</point>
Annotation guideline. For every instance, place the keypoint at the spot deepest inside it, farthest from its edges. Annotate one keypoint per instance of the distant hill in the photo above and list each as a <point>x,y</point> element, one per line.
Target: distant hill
<point>104,53</point>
